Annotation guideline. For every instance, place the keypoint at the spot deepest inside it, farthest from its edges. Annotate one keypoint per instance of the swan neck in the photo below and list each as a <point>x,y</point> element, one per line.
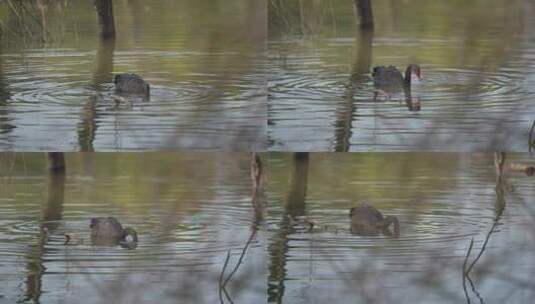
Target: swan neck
<point>392,220</point>
<point>407,79</point>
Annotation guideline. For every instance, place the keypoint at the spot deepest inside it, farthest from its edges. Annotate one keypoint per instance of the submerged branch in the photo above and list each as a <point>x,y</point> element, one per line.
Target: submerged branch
<point>221,288</point>
<point>466,258</point>
<point>487,238</point>
<point>257,176</point>
<point>223,282</point>
<point>240,260</point>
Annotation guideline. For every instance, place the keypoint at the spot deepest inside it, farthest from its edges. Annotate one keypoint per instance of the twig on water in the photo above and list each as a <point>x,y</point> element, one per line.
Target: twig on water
<point>464,270</point>
<point>474,290</point>
<point>257,175</point>
<point>466,276</point>
<point>223,283</point>
<point>240,260</point>
<point>221,287</point>
<point>494,225</point>
<point>228,296</point>
<point>466,258</point>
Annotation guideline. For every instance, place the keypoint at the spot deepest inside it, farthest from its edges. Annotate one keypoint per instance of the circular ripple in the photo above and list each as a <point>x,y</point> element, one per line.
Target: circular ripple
<point>49,92</point>
<point>456,84</point>
<point>438,84</point>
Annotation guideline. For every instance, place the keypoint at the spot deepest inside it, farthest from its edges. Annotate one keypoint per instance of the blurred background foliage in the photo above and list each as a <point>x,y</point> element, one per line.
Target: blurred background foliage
<point>217,27</point>
<point>124,180</point>
<point>486,30</point>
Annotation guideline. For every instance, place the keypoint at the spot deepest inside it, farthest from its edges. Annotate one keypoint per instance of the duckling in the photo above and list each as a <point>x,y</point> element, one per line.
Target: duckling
<point>368,221</point>
<point>128,83</point>
<point>108,231</point>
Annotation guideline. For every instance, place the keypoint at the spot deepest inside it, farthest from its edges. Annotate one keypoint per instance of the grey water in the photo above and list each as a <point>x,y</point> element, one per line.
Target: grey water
<point>442,201</point>
<point>187,220</point>
<point>477,65</point>
<point>204,62</point>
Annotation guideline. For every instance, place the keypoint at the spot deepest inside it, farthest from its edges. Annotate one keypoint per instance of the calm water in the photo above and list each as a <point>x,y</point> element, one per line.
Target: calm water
<point>476,59</point>
<point>204,60</point>
<point>188,209</point>
<point>441,200</point>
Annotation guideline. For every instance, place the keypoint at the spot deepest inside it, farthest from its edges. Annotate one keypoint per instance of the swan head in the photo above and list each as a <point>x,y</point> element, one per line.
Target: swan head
<point>415,70</point>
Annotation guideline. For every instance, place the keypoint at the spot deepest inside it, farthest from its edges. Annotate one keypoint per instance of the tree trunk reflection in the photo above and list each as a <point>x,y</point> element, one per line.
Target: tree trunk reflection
<point>52,214</point>
<point>102,74</point>
<point>294,206</point>
<point>359,75</point>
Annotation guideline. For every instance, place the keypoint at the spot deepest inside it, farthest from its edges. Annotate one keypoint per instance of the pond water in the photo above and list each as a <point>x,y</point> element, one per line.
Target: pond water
<point>204,61</point>
<point>189,211</point>
<point>192,209</point>
<point>442,201</point>
<point>477,65</point>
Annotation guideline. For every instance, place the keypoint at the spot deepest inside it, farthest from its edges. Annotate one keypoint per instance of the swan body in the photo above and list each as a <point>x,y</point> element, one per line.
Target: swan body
<point>388,79</point>
<point>108,231</point>
<point>368,221</point>
<point>128,83</point>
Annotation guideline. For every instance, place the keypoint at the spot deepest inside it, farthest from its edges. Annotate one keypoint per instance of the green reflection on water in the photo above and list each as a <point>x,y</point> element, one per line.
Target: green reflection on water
<point>443,200</point>
<point>192,27</point>
<point>481,31</point>
<point>188,208</point>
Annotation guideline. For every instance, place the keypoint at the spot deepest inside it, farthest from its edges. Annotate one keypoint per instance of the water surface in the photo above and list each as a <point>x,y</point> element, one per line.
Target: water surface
<point>204,62</point>
<point>442,200</point>
<point>190,211</point>
<point>476,60</point>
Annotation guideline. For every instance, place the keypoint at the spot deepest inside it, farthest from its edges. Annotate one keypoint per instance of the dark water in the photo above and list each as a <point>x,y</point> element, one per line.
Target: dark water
<point>189,210</point>
<point>442,201</point>
<point>477,92</point>
<point>204,61</point>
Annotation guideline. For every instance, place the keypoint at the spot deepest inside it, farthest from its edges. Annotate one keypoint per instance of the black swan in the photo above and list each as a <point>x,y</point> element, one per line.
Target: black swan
<point>388,80</point>
<point>131,84</point>
<point>108,231</point>
<point>366,220</point>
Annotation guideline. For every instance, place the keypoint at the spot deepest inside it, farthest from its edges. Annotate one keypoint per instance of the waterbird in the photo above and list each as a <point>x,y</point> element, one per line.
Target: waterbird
<point>366,220</point>
<point>388,79</point>
<point>108,231</point>
<point>128,83</point>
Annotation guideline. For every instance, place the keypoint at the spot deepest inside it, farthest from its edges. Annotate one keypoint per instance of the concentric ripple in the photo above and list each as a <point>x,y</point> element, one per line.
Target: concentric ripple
<point>321,96</point>
<point>58,85</point>
<point>187,220</point>
<point>442,202</point>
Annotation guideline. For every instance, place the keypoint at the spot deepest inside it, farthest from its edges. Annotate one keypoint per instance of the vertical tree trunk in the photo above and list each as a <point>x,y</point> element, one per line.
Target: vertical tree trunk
<point>5,119</point>
<point>257,171</point>
<point>295,200</point>
<point>105,18</point>
<point>56,162</point>
<point>363,9</point>
<point>257,176</point>
<point>501,183</point>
